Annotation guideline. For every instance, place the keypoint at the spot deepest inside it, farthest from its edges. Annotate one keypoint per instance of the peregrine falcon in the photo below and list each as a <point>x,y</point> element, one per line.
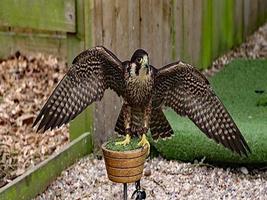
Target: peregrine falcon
<point>145,90</point>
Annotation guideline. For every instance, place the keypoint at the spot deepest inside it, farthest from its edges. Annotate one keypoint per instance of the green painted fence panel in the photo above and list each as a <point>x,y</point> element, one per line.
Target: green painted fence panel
<point>207,21</point>
<point>54,44</point>
<point>48,15</point>
<point>238,22</point>
<point>222,27</point>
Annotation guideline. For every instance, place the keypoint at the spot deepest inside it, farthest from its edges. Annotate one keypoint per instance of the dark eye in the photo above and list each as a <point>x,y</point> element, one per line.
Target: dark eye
<point>139,59</point>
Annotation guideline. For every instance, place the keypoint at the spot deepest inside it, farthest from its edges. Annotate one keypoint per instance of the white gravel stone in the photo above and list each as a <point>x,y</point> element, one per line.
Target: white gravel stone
<point>169,180</point>
<point>244,170</point>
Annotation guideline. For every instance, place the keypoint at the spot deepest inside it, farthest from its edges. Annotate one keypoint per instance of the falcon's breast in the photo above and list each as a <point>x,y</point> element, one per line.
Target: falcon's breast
<point>139,89</point>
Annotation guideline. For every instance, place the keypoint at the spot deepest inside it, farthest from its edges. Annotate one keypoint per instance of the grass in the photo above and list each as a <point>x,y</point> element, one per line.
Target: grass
<point>238,86</point>
<point>131,146</point>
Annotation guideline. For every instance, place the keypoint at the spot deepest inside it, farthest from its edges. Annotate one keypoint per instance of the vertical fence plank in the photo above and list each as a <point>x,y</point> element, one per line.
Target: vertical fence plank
<point>178,18</point>
<point>227,25</point>
<point>197,33</point>
<point>188,30</point>
<point>97,23</point>
<point>250,16</point>
<point>238,21</point>
<point>264,4</point>
<point>151,30</point>
<point>206,41</point>
<point>156,33</point>
<point>246,17</point>
<point>217,14</point>
<point>122,31</point>
<point>167,32</point>
<point>134,18</point>
<point>262,9</point>
<point>145,25</point>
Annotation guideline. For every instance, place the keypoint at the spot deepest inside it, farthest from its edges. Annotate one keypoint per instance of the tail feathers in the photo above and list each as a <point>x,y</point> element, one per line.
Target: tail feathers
<point>159,125</point>
<point>119,127</point>
<point>137,117</point>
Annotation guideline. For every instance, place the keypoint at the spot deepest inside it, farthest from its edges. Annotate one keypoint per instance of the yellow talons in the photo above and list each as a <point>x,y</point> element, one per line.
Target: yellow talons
<point>124,142</point>
<point>144,142</point>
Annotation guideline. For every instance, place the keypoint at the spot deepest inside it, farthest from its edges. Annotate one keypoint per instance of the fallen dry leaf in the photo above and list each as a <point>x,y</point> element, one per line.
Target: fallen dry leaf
<point>25,84</point>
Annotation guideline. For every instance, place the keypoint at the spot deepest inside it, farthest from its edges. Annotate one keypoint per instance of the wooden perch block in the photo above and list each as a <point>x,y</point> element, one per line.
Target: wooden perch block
<point>124,166</point>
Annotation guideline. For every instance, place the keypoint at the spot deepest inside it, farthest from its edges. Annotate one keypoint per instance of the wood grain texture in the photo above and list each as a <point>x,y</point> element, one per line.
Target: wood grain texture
<point>168,32</point>
<point>250,16</point>
<point>134,21</point>
<point>178,27</point>
<point>238,21</point>
<point>188,31</point>
<point>197,33</point>
<point>146,30</point>
<point>207,33</point>
<point>125,166</point>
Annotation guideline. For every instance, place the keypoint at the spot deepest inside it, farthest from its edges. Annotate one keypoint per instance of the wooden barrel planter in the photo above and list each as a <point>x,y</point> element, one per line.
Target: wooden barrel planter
<point>125,166</point>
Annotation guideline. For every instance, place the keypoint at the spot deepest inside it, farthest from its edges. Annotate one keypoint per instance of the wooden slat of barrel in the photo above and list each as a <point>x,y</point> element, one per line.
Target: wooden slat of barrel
<point>125,167</point>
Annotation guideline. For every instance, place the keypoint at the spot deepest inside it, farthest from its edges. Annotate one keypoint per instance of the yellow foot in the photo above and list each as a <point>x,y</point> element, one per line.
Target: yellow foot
<point>144,142</point>
<point>124,142</point>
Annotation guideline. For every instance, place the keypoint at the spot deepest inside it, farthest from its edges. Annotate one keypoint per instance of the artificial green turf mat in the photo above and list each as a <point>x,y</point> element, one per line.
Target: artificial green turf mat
<point>240,86</point>
<point>131,146</point>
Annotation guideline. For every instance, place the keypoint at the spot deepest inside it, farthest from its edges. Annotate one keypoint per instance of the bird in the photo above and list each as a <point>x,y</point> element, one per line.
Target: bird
<point>145,91</point>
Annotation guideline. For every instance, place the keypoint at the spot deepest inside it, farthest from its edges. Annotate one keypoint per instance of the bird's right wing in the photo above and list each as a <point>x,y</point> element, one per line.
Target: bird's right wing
<point>91,73</point>
<point>184,89</point>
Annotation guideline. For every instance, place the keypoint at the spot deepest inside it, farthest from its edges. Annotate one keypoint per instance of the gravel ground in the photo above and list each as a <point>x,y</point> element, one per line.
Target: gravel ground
<point>164,179</point>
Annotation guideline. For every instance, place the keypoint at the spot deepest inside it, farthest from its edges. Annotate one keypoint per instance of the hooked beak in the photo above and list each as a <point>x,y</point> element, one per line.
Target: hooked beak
<point>145,62</point>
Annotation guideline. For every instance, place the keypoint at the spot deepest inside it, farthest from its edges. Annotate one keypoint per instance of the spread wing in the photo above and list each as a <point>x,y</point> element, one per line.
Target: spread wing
<point>188,93</point>
<point>91,73</point>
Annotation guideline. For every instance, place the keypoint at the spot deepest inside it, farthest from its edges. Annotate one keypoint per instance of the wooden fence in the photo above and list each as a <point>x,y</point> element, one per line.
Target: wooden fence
<point>196,31</point>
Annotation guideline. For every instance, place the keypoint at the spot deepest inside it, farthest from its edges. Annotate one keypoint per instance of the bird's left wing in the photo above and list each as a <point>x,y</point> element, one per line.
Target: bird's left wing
<point>184,89</point>
<point>91,73</point>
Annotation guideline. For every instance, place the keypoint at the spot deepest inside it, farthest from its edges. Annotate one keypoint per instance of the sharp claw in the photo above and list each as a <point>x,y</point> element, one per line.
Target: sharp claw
<point>144,142</point>
<point>124,142</point>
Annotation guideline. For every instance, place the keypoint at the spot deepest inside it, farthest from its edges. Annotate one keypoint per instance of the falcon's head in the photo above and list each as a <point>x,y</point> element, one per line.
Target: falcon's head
<point>139,63</point>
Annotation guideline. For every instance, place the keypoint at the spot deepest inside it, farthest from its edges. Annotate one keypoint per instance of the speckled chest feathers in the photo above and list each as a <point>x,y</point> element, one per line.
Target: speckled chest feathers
<point>139,84</point>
